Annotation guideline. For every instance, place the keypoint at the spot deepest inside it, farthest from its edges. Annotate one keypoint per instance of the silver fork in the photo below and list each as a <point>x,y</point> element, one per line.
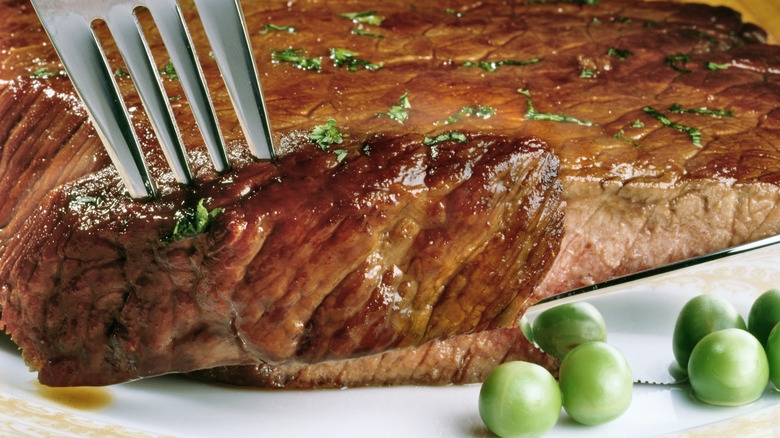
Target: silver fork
<point>69,24</point>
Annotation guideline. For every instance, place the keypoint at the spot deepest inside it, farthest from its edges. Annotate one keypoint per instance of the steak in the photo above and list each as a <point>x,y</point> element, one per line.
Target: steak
<point>665,118</point>
<point>312,259</point>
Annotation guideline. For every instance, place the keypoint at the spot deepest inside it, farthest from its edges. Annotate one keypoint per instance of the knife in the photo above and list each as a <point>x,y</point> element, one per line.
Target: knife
<point>641,309</point>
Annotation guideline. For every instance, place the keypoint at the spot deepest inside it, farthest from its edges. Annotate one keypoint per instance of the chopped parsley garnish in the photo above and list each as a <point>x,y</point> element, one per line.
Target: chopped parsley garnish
<point>326,135</point>
<point>481,111</point>
<point>365,17</point>
<point>708,37</point>
<point>694,133</point>
<point>399,112</point>
<point>619,53</point>
<point>673,61</point>
<point>638,124</point>
<point>447,136</point>
<point>677,108</point>
<point>361,32</point>
<point>170,71</point>
<point>621,136</point>
<point>193,222</point>
<point>344,57</point>
<point>174,98</point>
<point>294,57</point>
<point>340,154</point>
<point>491,66</point>
<point>588,73</point>
<point>532,114</point>
<point>43,73</point>
<point>624,20</point>
<point>121,72</point>
<point>272,27</point>
<point>715,66</point>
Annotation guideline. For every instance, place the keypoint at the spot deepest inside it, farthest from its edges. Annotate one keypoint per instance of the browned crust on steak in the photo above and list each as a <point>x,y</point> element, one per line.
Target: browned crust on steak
<point>313,259</point>
<point>627,198</point>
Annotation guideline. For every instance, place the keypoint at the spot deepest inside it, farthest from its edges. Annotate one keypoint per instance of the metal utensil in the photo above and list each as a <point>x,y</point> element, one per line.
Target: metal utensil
<point>69,26</point>
<point>641,309</point>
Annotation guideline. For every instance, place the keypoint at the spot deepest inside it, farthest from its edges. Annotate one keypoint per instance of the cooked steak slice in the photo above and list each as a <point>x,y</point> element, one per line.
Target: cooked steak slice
<point>312,259</point>
<point>640,192</point>
<point>459,360</point>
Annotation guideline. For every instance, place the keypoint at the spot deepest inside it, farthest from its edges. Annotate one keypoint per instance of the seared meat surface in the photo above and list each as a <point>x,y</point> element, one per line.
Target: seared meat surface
<point>665,118</point>
<point>311,259</point>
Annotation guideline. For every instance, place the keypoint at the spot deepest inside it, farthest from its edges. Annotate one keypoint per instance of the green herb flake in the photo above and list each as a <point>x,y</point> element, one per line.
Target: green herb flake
<point>587,73</point>
<point>619,53</point>
<point>708,37</point>
<point>638,124</point>
<point>121,72</point>
<point>491,66</point>
<point>344,57</point>
<point>481,111</point>
<point>361,32</point>
<point>193,222</point>
<point>273,27</point>
<point>341,154</point>
<point>678,109</point>
<point>399,112</point>
<point>170,71</point>
<point>174,98</point>
<point>294,57</point>
<point>447,136</point>
<point>624,20</point>
<point>532,114</point>
<point>673,61</point>
<point>365,17</point>
<point>715,66</point>
<point>621,136</point>
<point>694,133</point>
<point>326,135</point>
<point>43,73</point>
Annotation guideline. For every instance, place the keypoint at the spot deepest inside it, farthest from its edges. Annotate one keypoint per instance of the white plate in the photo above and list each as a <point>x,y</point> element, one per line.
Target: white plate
<point>175,406</point>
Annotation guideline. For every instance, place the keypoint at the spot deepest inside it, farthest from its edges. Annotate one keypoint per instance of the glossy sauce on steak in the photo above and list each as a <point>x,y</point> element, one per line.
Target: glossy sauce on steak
<point>664,116</point>
<point>311,259</point>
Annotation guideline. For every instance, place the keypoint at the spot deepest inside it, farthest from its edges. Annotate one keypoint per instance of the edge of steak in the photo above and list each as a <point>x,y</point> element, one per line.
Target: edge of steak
<point>460,360</point>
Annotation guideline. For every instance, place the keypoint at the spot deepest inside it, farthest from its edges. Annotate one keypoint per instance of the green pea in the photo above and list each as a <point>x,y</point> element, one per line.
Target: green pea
<point>561,328</point>
<point>700,316</point>
<point>519,400</point>
<point>728,368</point>
<point>764,315</point>
<point>596,383</point>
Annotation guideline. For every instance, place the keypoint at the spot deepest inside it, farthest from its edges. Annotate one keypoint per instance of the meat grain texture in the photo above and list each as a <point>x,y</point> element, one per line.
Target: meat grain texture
<point>664,119</point>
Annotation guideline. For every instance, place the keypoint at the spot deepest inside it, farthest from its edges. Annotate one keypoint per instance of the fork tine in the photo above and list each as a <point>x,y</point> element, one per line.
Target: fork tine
<point>226,30</point>
<point>84,60</point>
<point>131,43</point>
<point>173,30</point>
